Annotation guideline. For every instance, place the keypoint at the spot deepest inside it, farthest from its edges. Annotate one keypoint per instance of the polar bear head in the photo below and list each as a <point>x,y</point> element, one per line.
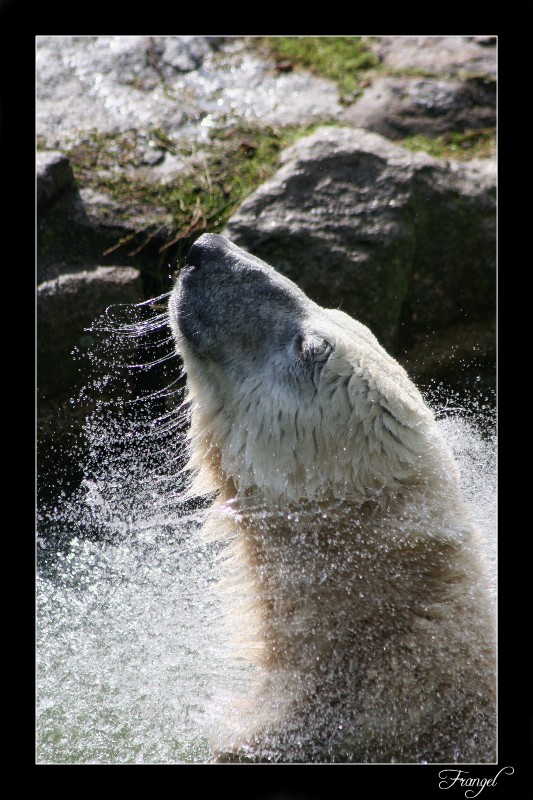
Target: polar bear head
<point>289,399</point>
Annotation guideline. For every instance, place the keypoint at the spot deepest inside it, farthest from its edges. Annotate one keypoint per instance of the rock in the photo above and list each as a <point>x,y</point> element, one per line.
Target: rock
<point>181,85</point>
<point>164,170</point>
<point>82,368</point>
<point>489,41</point>
<point>400,240</point>
<point>186,53</point>
<point>82,228</point>
<point>440,55</point>
<point>100,212</point>
<point>66,306</point>
<point>54,175</point>
<point>399,107</point>
<point>152,156</point>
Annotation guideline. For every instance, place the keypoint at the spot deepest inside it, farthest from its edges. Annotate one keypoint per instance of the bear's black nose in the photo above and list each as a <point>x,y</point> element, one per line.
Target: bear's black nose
<point>210,247</point>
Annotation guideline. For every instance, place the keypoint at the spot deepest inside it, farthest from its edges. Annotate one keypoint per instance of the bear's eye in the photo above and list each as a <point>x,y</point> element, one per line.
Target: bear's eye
<point>299,345</point>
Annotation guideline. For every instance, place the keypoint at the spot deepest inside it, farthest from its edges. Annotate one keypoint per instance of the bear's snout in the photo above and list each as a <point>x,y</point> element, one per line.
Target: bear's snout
<point>209,250</point>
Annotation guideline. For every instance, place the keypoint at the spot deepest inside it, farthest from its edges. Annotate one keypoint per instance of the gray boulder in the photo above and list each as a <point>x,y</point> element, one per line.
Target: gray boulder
<point>184,53</point>
<point>398,107</point>
<point>54,175</point>
<point>181,85</point>
<point>402,241</point>
<point>77,229</point>
<point>440,55</point>
<point>66,306</point>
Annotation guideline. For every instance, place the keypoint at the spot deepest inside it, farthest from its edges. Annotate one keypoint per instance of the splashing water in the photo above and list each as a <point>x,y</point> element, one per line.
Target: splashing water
<point>132,665</point>
<point>468,427</point>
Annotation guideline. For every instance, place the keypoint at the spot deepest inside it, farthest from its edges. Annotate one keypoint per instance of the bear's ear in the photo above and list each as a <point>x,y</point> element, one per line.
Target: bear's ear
<point>313,347</point>
<point>320,348</point>
<point>310,353</point>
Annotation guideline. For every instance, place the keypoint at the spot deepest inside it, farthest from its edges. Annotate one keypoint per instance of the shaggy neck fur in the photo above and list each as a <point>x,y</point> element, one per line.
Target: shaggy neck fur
<point>256,446</point>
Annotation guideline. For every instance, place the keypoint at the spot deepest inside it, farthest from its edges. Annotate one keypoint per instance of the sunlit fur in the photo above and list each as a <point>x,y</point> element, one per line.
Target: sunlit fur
<point>361,576</point>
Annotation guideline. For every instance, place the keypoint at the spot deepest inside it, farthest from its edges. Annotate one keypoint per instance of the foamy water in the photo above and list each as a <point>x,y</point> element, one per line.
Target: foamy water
<point>129,656</point>
<point>131,662</point>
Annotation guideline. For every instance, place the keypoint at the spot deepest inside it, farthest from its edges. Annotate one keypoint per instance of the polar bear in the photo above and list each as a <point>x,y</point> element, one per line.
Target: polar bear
<point>368,610</point>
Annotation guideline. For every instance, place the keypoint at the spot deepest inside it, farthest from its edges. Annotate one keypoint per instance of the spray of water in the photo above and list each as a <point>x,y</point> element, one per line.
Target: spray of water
<point>132,662</point>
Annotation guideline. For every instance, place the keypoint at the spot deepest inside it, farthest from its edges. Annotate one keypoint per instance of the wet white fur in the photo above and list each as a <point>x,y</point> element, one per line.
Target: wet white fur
<point>364,575</point>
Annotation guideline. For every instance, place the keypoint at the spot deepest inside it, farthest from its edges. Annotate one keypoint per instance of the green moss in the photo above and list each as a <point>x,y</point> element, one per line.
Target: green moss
<point>218,176</point>
<point>343,59</point>
<point>460,146</point>
<point>236,162</point>
<point>408,72</point>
